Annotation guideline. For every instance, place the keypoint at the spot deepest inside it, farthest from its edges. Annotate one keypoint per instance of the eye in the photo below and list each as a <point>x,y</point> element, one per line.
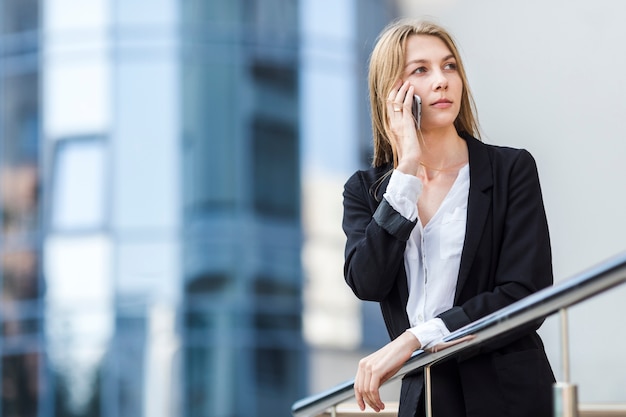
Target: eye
<point>419,70</point>
<point>450,66</point>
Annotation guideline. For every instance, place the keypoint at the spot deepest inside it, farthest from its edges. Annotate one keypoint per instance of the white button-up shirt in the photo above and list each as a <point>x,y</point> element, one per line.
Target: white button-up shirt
<point>433,253</point>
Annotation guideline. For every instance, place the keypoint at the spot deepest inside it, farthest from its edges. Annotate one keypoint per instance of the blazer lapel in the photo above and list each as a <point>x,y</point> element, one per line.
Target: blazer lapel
<point>479,202</point>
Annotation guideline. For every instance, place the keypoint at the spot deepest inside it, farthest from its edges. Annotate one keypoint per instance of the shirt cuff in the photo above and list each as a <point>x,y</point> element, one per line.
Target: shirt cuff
<point>402,193</point>
<point>430,333</point>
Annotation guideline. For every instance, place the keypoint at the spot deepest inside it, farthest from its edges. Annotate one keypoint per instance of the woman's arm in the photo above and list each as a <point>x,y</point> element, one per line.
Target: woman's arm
<point>376,240</point>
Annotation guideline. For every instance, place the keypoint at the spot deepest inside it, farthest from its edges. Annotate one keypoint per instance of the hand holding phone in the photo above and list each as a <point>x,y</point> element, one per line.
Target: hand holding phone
<point>417,111</point>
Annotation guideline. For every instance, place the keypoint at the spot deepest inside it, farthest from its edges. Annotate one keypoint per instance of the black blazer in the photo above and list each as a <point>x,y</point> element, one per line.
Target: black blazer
<point>506,257</point>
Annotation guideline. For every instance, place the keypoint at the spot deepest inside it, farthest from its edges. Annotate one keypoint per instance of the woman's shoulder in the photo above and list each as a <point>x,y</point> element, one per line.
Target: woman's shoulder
<point>499,153</point>
<point>373,180</point>
<point>370,175</point>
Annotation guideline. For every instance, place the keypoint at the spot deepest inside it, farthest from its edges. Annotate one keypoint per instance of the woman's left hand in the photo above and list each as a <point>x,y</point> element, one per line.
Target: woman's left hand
<point>378,367</point>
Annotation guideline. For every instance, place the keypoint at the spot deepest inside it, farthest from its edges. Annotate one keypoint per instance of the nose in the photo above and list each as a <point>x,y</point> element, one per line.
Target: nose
<point>440,82</point>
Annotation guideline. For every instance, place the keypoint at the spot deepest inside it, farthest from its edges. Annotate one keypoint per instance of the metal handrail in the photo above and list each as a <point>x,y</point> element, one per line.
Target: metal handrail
<point>537,306</point>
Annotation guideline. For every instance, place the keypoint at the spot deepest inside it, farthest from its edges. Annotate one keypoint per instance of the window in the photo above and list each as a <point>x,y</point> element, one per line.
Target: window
<point>209,356</point>
<point>78,187</point>
<point>210,171</point>
<point>275,169</point>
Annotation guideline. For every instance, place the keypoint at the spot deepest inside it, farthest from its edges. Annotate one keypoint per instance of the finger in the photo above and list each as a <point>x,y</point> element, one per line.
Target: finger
<point>394,90</point>
<point>401,96</point>
<point>408,98</point>
<point>360,383</point>
<point>371,388</point>
<point>359,399</point>
<point>391,97</point>
<point>395,99</point>
<point>392,108</point>
<point>374,396</point>
<point>364,377</point>
<point>358,389</point>
<point>369,395</point>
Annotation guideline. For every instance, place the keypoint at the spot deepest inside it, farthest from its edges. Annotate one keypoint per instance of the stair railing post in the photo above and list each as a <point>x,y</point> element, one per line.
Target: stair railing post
<point>565,393</point>
<point>428,391</point>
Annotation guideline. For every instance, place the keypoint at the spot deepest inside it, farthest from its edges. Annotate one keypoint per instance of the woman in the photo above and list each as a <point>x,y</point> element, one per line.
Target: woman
<point>441,231</point>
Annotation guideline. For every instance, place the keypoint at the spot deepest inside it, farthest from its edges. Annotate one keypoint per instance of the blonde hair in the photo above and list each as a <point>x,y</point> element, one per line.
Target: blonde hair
<point>387,63</point>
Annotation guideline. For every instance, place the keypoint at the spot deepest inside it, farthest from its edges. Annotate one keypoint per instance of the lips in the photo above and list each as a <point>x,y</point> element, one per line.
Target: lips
<point>442,103</point>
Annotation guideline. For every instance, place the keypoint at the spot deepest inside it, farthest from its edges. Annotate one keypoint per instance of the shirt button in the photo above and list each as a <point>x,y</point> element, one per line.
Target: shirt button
<point>420,317</point>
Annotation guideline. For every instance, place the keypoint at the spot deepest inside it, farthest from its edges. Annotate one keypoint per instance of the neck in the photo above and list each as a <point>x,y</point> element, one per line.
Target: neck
<point>443,149</point>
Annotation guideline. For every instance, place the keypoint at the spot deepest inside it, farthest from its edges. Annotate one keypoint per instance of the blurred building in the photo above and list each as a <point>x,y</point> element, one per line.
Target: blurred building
<point>21,341</point>
<point>337,38</point>
<point>150,193</point>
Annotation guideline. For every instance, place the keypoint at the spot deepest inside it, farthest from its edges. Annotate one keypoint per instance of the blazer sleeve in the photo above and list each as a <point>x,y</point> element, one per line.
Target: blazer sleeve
<point>521,260</point>
<point>376,239</point>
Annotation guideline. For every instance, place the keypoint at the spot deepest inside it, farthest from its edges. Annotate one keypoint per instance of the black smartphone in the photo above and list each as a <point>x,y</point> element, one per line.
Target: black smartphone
<point>417,111</point>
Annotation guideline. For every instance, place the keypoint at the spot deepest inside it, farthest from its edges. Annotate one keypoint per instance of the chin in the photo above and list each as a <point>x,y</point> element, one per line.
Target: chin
<point>438,125</point>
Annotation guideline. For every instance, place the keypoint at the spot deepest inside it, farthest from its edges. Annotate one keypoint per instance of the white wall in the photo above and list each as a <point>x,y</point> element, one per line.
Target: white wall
<point>548,76</point>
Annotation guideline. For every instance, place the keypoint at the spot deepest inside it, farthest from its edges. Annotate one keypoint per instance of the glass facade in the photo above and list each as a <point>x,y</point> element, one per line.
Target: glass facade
<point>241,168</point>
<point>20,259</point>
<point>150,192</point>
<point>336,39</point>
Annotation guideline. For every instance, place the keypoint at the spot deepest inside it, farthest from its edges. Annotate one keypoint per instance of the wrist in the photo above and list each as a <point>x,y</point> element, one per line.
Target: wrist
<point>411,340</point>
<point>408,167</point>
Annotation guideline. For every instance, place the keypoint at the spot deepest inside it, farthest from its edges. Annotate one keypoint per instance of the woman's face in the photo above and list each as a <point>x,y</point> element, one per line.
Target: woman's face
<point>432,70</point>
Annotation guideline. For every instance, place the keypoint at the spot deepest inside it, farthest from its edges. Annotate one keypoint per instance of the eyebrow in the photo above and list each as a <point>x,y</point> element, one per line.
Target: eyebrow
<point>423,61</point>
